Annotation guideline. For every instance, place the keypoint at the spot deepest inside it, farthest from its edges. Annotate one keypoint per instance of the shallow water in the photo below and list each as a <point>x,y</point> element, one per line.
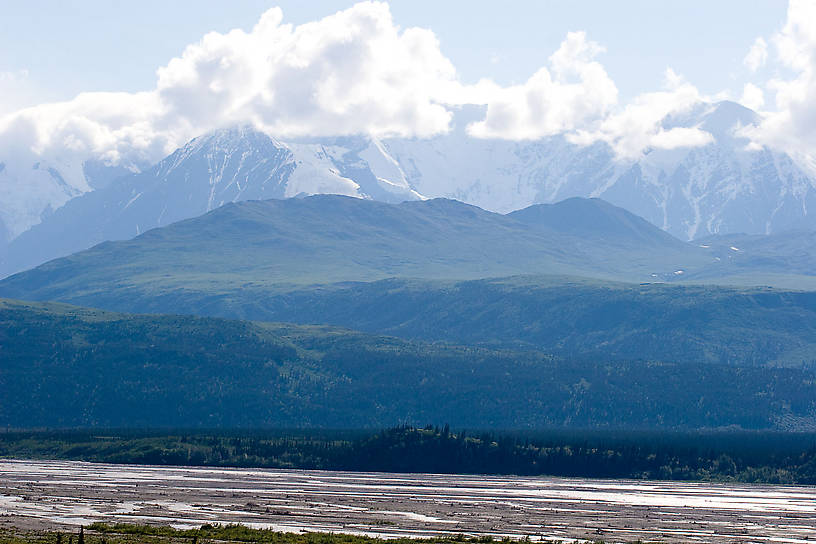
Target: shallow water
<point>40,494</point>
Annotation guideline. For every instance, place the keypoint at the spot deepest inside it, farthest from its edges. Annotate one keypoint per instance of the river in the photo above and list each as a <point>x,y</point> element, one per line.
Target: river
<point>52,494</point>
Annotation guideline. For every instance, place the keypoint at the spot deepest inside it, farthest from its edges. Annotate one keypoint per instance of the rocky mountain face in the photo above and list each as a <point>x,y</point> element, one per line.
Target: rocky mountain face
<point>225,166</point>
<point>724,187</point>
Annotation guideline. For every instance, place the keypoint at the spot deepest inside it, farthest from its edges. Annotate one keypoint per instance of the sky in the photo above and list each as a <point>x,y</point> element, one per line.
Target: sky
<point>126,82</point>
<point>96,45</point>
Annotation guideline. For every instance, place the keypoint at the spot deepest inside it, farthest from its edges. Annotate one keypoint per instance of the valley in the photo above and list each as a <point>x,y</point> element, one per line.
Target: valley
<point>457,273</point>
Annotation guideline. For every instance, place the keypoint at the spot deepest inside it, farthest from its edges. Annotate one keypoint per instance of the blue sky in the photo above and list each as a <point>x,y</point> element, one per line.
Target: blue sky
<point>128,82</point>
<point>96,45</point>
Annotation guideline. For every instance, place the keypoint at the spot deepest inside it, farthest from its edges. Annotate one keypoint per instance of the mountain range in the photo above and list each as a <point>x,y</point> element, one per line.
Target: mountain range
<point>671,290</point>
<point>330,238</point>
<point>586,279</point>
<point>725,187</point>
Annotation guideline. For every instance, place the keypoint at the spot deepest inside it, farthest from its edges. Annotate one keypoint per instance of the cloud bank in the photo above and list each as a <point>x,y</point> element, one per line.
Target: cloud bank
<point>574,91</point>
<point>358,72</point>
<point>638,126</point>
<point>354,72</point>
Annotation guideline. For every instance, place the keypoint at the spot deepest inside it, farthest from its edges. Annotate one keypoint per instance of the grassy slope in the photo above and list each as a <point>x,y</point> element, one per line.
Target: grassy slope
<point>330,238</point>
<point>574,317</point>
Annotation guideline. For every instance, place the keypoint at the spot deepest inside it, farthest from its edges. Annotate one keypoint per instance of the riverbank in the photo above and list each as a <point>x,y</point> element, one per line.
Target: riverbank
<point>64,495</point>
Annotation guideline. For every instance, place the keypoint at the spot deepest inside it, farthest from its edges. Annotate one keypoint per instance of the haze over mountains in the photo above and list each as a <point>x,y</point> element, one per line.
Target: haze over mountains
<point>722,187</point>
<point>330,238</point>
<point>590,296</point>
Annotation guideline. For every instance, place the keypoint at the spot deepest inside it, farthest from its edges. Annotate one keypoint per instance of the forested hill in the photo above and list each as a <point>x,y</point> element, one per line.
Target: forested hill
<point>69,367</point>
<point>566,316</point>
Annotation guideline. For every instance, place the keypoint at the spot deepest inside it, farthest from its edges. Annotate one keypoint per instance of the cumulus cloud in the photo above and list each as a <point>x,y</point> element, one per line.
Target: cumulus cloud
<point>106,125</point>
<point>639,125</point>
<point>757,55</point>
<point>354,72</point>
<point>752,97</point>
<point>575,96</point>
<point>573,92</point>
<point>789,126</point>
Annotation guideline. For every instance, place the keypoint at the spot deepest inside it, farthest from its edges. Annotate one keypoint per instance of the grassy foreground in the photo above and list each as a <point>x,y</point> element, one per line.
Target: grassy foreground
<point>121,533</point>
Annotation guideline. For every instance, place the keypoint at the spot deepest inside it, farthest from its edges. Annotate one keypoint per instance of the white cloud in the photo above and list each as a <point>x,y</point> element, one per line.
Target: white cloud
<point>349,73</point>
<point>790,126</point>
<point>752,97</point>
<point>574,92</point>
<point>757,55</point>
<point>352,72</point>
<point>638,127</point>
<point>576,97</point>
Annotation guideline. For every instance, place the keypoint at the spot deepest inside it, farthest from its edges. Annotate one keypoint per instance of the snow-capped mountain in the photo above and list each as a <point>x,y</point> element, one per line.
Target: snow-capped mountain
<point>33,187</point>
<point>723,187</point>
<point>237,164</point>
<point>32,190</point>
<point>690,192</point>
<point>227,165</point>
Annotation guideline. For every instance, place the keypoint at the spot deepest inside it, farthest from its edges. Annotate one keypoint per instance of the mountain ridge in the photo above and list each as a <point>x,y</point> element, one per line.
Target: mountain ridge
<point>417,268</point>
<point>329,238</point>
<point>722,187</point>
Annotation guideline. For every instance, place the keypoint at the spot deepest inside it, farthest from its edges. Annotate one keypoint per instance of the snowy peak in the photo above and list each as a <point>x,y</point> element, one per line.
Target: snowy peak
<point>689,192</point>
<point>243,158</point>
<point>719,119</point>
<point>224,166</point>
<point>724,117</point>
<point>720,187</point>
<point>35,188</point>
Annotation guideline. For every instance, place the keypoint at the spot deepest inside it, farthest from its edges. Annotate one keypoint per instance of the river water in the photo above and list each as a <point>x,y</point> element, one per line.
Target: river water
<point>50,494</point>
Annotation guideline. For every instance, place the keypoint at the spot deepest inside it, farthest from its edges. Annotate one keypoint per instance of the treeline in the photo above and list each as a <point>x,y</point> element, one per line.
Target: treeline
<point>713,456</point>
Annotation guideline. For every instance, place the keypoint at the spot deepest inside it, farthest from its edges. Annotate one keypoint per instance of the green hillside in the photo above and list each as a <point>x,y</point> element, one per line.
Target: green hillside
<point>568,316</point>
<point>291,260</point>
<point>324,239</point>
<point>571,317</point>
<point>69,367</point>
